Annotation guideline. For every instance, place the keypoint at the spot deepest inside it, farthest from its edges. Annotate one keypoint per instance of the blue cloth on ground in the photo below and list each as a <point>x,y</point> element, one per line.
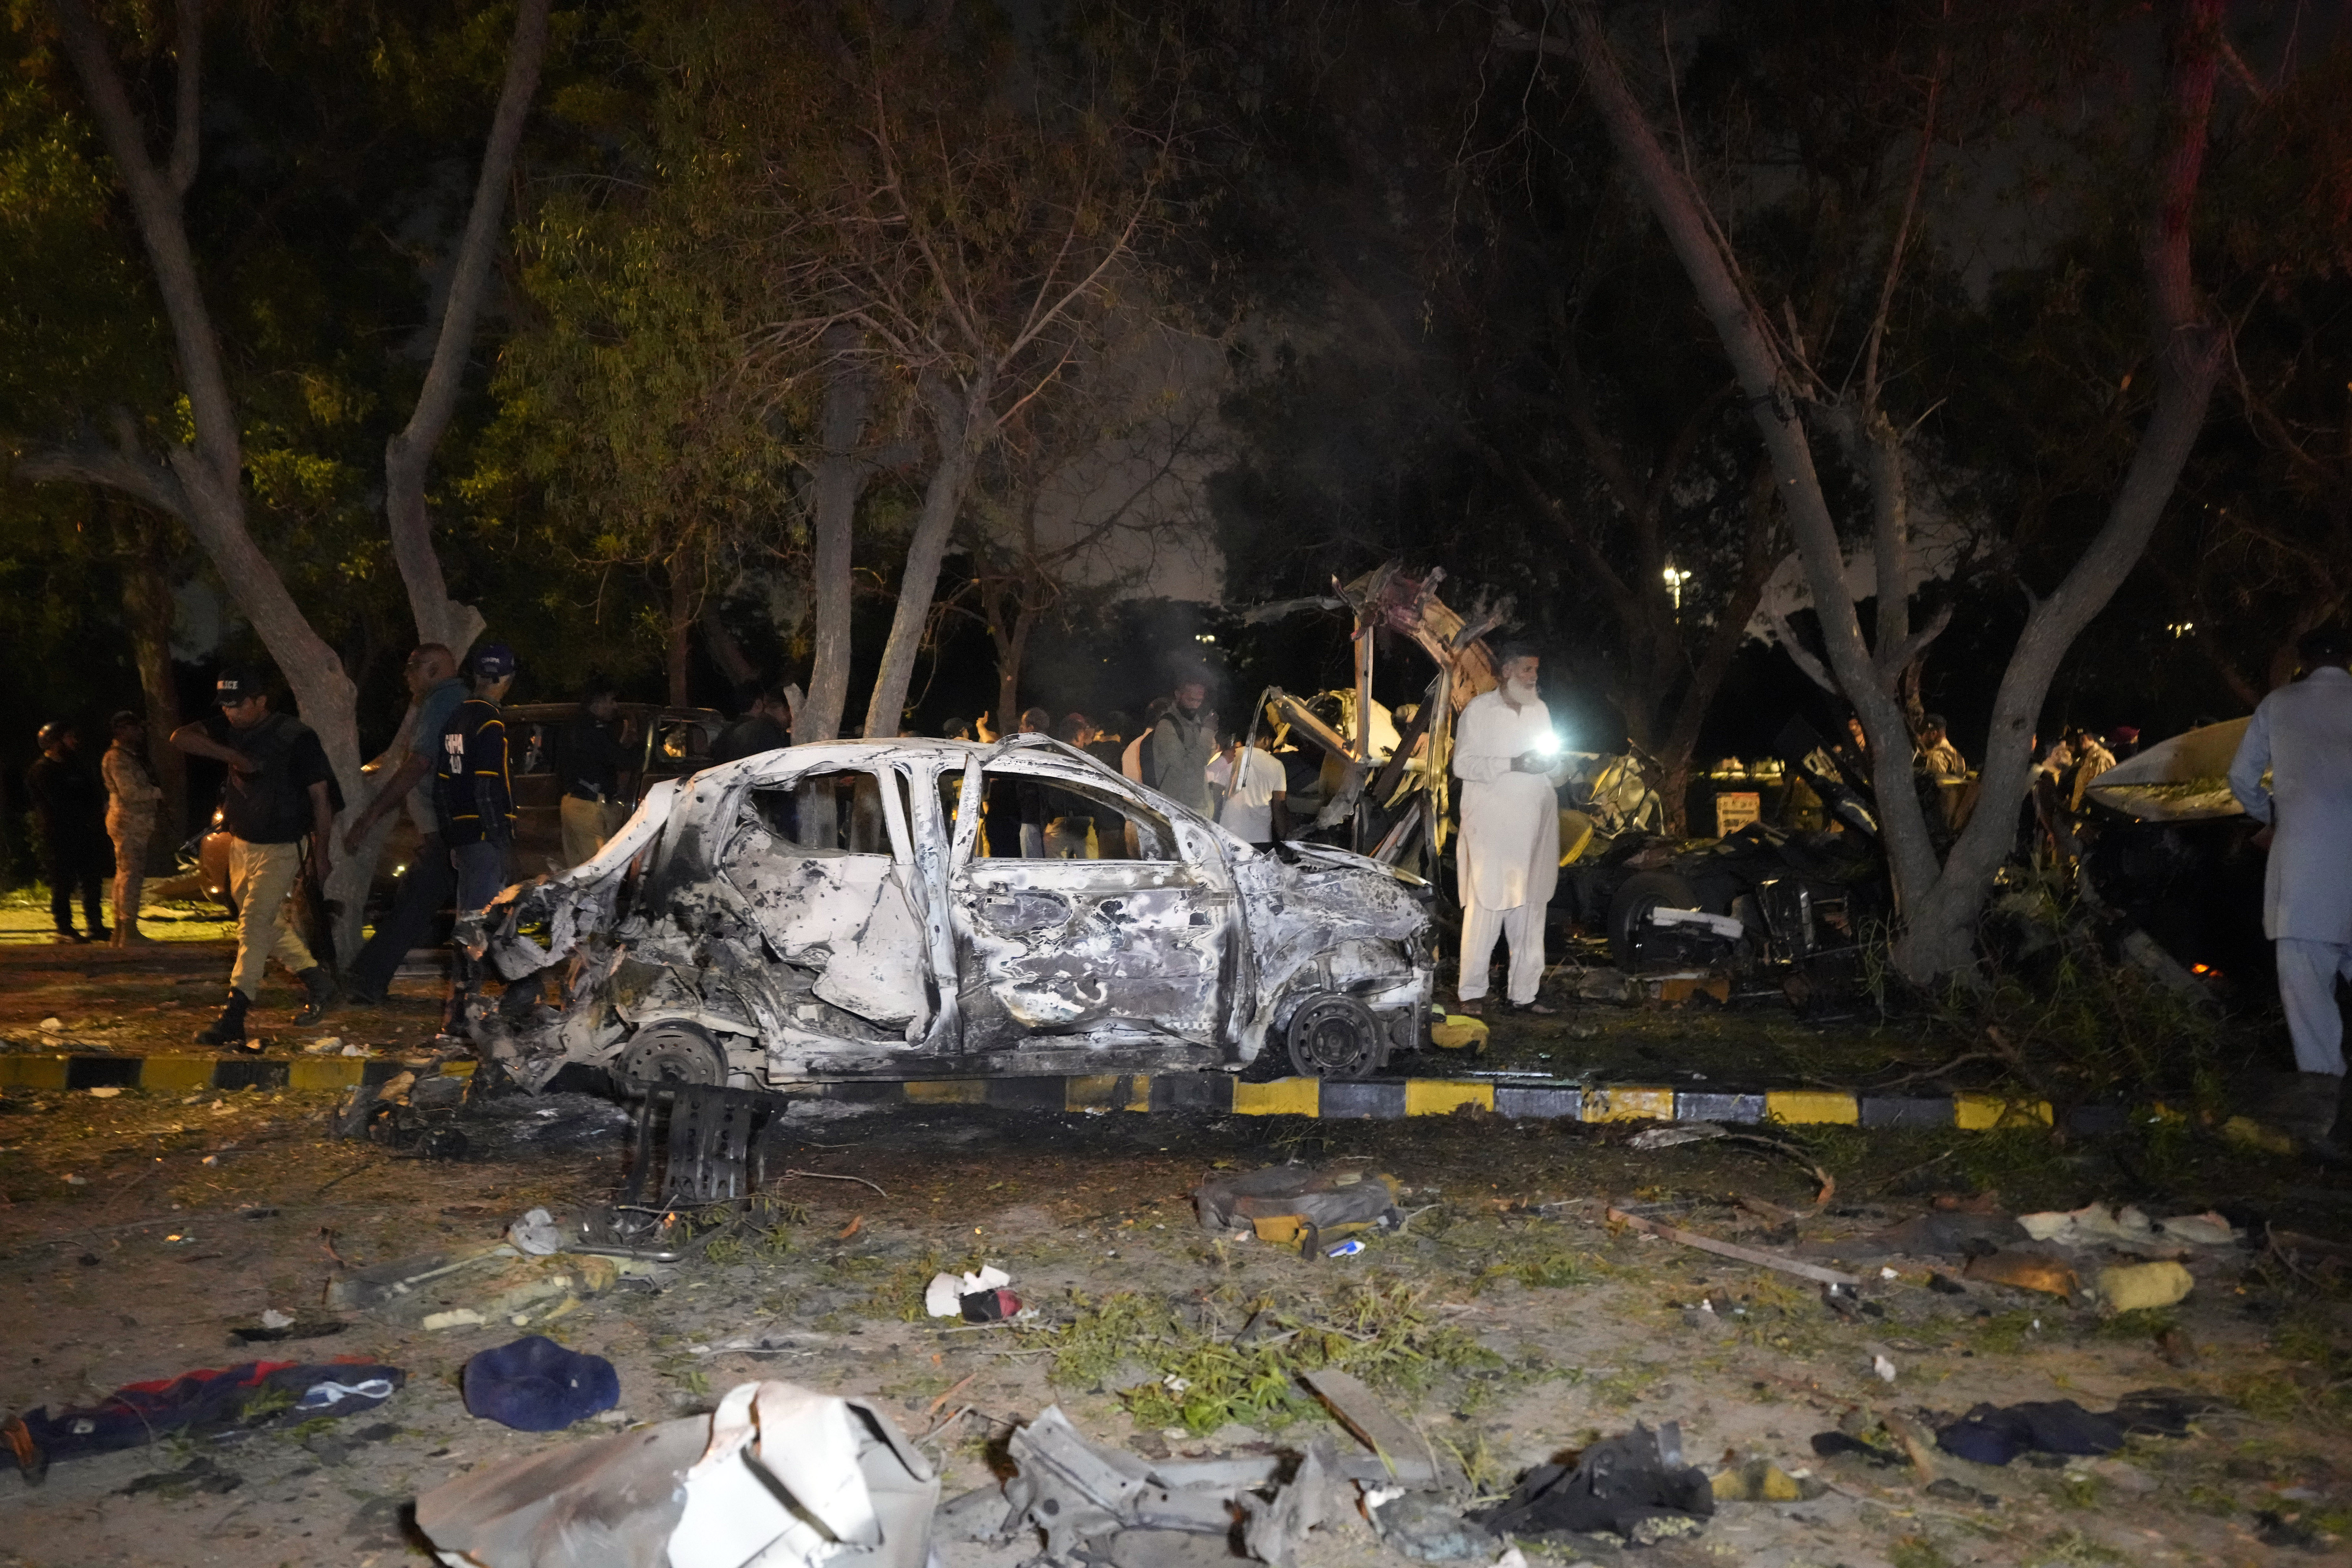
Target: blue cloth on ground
<point>536,1385</point>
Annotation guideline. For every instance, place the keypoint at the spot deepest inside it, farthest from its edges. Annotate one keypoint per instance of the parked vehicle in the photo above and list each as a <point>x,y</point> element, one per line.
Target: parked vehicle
<point>831,911</point>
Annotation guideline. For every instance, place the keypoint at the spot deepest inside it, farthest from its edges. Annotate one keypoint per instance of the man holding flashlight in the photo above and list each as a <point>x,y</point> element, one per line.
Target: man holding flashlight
<point>1509,856</point>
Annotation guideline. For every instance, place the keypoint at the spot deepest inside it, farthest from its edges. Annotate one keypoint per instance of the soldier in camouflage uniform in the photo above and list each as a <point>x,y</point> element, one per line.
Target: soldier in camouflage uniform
<point>132,799</point>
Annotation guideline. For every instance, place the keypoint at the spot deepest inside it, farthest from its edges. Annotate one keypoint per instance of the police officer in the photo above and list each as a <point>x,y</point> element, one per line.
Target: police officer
<point>473,795</point>
<point>280,789</point>
<point>435,692</point>
<point>66,803</point>
<point>132,800</point>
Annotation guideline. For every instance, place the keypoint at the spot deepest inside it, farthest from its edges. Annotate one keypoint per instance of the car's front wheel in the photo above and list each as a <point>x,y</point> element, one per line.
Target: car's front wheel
<point>1335,1037</point>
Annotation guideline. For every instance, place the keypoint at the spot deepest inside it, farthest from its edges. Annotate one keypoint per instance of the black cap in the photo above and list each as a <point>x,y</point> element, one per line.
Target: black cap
<point>236,684</point>
<point>125,717</point>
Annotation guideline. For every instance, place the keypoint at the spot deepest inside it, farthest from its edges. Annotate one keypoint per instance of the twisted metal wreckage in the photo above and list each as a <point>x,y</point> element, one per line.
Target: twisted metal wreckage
<point>824,911</point>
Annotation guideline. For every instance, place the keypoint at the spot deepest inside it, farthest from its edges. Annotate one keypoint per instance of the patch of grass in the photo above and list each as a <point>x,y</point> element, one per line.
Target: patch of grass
<point>2072,1546</point>
<point>2144,1324</point>
<point>2007,1332</point>
<point>1918,1551</point>
<point>1385,1331</point>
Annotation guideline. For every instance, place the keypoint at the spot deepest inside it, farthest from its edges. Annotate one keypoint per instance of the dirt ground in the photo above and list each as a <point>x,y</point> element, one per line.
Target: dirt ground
<point>1513,1321</point>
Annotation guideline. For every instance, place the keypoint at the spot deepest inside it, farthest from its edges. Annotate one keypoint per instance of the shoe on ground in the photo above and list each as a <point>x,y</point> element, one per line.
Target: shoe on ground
<point>228,1031</point>
<point>72,936</point>
<point>100,933</point>
<point>319,994</point>
<point>1475,1007</point>
<point>1537,1009</point>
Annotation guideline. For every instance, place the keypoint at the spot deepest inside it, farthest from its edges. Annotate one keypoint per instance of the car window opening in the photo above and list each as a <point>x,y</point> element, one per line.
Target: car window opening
<point>1025,817</point>
<point>837,813</point>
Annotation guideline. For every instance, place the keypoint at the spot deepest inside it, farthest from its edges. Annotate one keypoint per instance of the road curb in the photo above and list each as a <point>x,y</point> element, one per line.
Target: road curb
<point>1391,1100</point>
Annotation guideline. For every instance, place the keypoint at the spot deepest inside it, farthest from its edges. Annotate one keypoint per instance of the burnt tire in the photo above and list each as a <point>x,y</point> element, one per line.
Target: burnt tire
<point>1629,912</point>
<point>1336,1037</point>
<point>669,1054</point>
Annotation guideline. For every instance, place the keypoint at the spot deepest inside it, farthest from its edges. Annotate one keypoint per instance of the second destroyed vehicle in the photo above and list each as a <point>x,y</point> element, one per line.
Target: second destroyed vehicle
<point>937,909</point>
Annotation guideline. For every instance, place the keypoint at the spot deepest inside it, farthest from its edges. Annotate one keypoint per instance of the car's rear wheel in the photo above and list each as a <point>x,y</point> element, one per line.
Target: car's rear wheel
<point>1335,1037</point>
<point>671,1054</point>
<point>1629,912</point>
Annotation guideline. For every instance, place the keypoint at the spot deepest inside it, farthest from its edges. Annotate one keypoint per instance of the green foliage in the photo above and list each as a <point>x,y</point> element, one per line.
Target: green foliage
<point>1385,1331</point>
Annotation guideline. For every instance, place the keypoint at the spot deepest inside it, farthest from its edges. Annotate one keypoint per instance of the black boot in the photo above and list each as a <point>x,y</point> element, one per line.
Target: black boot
<point>228,1029</point>
<point>318,994</point>
<point>2335,1149</point>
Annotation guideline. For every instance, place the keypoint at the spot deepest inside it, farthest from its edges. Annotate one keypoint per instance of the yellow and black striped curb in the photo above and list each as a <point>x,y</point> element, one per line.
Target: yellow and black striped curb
<point>1383,1100</point>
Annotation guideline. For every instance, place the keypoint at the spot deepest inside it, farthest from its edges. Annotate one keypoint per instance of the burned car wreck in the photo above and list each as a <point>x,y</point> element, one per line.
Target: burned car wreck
<point>832,912</point>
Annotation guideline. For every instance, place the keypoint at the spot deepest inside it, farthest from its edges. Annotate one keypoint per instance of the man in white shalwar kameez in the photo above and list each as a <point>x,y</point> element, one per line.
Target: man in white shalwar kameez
<point>1509,853</point>
<point>2302,736</point>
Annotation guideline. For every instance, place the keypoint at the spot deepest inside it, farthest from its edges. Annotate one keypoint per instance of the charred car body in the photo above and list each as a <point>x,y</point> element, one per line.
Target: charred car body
<point>829,911</point>
<point>1765,894</point>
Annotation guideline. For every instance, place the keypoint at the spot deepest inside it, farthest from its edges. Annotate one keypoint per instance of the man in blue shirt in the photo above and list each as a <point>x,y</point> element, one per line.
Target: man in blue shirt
<point>433,693</point>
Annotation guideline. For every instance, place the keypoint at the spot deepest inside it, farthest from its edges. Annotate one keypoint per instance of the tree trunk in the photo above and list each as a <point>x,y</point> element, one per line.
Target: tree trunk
<point>408,455</point>
<point>147,610</point>
<point>724,650</point>
<point>681,622</point>
<point>1012,649</point>
<point>841,473</point>
<point>1935,904</point>
<point>958,417</point>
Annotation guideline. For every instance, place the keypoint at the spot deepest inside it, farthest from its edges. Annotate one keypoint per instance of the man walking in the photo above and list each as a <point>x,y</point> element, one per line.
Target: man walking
<point>433,693</point>
<point>73,844</point>
<point>1509,856</point>
<point>2302,736</point>
<point>280,789</point>
<point>591,750</point>
<point>132,799</point>
<point>1181,744</point>
<point>473,794</point>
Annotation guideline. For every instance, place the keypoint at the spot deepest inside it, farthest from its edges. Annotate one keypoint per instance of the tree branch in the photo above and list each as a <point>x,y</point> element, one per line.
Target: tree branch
<point>155,205</point>
<point>186,129</point>
<point>409,453</point>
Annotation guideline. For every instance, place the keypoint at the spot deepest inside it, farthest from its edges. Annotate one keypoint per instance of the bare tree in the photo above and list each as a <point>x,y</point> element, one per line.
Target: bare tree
<point>959,238</point>
<point>408,455</point>
<point>201,482</point>
<point>1938,901</point>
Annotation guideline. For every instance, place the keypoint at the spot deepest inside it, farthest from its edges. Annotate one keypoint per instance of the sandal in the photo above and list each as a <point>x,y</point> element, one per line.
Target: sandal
<point>1541,1009</point>
<point>1476,1007</point>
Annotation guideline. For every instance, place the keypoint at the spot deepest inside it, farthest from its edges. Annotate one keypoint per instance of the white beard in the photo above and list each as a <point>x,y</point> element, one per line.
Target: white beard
<point>1518,693</point>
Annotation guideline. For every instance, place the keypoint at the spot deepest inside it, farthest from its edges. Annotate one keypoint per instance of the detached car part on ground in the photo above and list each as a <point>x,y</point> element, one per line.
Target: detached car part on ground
<point>1765,895</point>
<point>827,912</point>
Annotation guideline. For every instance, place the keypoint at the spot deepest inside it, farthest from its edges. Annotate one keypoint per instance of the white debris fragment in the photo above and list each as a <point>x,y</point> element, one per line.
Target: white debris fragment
<point>354,1049</point>
<point>1886,1273</point>
<point>943,1297</point>
<point>537,1234</point>
<point>1883,1367</point>
<point>53,1025</point>
<point>77,1181</point>
<point>323,1044</point>
<point>272,1318</point>
<point>104,1091</point>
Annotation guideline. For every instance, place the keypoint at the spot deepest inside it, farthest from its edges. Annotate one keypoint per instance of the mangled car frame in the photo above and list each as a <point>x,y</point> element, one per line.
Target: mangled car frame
<point>832,912</point>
